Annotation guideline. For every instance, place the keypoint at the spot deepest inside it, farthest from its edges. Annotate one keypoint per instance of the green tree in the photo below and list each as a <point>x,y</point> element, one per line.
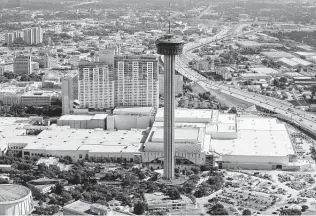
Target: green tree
<point>217,209</point>
<point>58,189</point>
<point>140,207</point>
<point>290,212</point>
<point>77,179</point>
<point>246,212</point>
<point>173,193</point>
<point>304,208</point>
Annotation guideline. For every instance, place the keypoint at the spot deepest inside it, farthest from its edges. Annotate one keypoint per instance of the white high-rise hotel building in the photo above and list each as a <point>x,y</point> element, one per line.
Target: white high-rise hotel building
<point>136,80</point>
<point>131,81</point>
<point>96,85</point>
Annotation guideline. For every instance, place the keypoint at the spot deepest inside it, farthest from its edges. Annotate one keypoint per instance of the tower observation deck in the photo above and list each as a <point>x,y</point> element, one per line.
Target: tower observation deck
<point>169,47</point>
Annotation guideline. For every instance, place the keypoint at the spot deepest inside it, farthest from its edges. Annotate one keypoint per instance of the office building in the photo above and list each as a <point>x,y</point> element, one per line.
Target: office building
<point>42,61</point>
<point>34,67</point>
<point>9,38</point>
<point>13,37</point>
<point>80,207</point>
<point>69,89</point>
<point>33,36</point>
<point>96,85</point>
<point>136,80</point>
<point>169,46</point>
<point>37,98</point>
<point>22,65</point>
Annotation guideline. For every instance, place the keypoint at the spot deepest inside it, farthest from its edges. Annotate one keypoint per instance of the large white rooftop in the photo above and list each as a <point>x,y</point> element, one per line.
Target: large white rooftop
<point>288,62</point>
<point>68,139</point>
<point>301,61</point>
<point>265,70</point>
<point>256,137</point>
<point>188,115</point>
<point>277,54</point>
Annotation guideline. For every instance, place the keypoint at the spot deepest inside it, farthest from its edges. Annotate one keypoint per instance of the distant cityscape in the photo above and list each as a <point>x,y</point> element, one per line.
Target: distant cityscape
<point>133,107</point>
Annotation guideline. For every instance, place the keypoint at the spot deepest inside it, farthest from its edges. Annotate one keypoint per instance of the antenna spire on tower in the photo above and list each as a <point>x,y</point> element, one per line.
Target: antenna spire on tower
<point>169,18</point>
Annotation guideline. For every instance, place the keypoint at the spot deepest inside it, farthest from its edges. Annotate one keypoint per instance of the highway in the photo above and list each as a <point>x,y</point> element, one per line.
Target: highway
<point>285,110</point>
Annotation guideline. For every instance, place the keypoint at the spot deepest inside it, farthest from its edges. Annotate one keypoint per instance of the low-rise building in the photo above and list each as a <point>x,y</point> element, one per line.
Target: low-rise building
<point>5,167</point>
<point>225,72</point>
<point>158,202</point>
<point>44,185</point>
<point>254,76</point>
<point>80,207</point>
<point>288,63</point>
<point>36,98</point>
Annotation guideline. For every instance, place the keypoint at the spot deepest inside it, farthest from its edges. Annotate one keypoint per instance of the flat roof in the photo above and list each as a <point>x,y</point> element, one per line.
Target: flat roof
<point>265,70</point>
<point>277,54</point>
<point>38,93</point>
<point>100,116</point>
<point>257,123</point>
<point>78,206</point>
<point>254,75</point>
<point>256,137</point>
<point>226,128</point>
<point>226,119</point>
<point>305,53</point>
<point>288,62</point>
<point>256,143</point>
<point>301,61</point>
<point>187,115</point>
<point>68,139</point>
<point>75,117</point>
<point>180,135</point>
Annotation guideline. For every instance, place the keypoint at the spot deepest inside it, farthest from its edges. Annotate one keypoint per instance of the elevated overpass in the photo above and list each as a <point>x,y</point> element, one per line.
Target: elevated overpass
<point>285,110</point>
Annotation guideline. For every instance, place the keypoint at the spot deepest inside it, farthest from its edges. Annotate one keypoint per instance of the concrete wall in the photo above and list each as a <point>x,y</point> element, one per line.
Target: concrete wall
<point>127,122</point>
<point>127,155</point>
<point>279,160</point>
<point>74,154</point>
<point>248,166</point>
<point>83,124</point>
<point>110,122</point>
<point>224,135</point>
<point>198,159</point>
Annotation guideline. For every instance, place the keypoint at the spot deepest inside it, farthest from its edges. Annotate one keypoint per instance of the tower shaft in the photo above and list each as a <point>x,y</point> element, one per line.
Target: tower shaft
<point>169,105</point>
<point>169,46</point>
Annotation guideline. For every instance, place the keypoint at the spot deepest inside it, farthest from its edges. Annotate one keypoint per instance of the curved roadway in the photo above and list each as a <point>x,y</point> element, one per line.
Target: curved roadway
<point>284,109</point>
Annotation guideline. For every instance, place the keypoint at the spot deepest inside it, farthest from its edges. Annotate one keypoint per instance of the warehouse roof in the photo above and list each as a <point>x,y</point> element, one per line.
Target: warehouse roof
<point>180,135</point>
<point>257,137</point>
<point>305,53</point>
<point>265,70</point>
<point>188,115</point>
<point>288,62</point>
<point>277,54</point>
<point>66,138</point>
<point>301,61</point>
<point>76,117</point>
